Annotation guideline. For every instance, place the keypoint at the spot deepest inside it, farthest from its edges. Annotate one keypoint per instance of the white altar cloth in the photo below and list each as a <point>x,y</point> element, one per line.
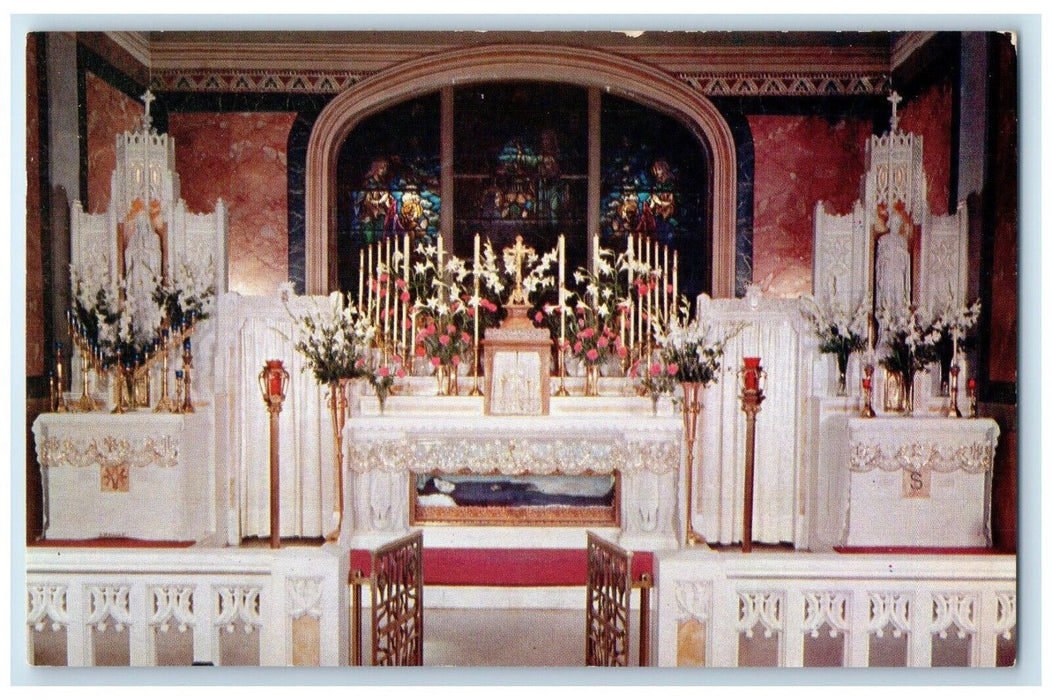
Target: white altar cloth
<point>865,497</point>
<point>140,475</point>
<point>382,451</point>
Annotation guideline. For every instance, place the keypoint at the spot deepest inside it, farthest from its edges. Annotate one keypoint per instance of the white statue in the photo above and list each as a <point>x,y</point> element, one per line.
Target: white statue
<point>142,272</point>
<point>892,284</point>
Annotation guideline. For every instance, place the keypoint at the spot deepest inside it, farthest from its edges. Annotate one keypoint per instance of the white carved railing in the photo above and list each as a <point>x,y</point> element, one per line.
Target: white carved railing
<point>220,598</point>
<point>961,608</point>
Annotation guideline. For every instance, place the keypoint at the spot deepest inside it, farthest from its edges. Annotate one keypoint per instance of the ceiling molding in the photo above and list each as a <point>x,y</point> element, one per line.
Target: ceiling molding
<point>906,45</point>
<point>135,43</point>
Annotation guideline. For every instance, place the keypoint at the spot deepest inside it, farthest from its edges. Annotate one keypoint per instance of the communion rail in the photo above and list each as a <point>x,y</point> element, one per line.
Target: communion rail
<point>152,607</point>
<point>855,610</point>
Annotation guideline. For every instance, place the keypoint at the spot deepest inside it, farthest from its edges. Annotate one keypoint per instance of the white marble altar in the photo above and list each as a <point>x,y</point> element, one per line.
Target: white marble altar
<point>905,482</point>
<point>381,452</point>
<point>139,475</point>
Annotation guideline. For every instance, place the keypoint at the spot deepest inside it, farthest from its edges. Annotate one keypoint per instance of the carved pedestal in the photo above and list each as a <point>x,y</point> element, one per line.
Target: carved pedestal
<point>517,367</point>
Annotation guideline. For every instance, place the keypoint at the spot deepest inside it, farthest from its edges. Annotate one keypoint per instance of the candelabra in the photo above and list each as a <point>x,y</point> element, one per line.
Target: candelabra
<point>85,403</point>
<point>120,404</point>
<point>752,397</point>
<point>273,380</point>
<point>867,391</point>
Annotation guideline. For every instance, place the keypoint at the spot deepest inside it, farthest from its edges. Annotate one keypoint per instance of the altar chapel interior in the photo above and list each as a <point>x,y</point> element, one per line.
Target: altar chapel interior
<point>515,486</point>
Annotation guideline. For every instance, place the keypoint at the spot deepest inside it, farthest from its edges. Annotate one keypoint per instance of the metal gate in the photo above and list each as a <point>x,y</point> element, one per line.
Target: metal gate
<point>609,606</point>
<point>396,580</point>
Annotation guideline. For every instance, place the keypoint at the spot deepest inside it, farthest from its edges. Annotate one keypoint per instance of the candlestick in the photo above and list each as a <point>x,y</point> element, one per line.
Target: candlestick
<point>475,391</point>
<point>867,392</point>
<point>973,403</point>
<point>188,364</point>
<point>85,403</point>
<point>630,253</point>
<point>407,354</point>
<point>675,278</point>
<point>953,411</point>
<point>361,275</point>
<point>164,404</point>
<point>664,282</point>
<point>60,383</point>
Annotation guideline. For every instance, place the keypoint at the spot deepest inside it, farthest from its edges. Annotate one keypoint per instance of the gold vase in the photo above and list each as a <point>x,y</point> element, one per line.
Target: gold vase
<point>442,379</point>
<point>591,380</point>
<point>452,381</point>
<point>338,410</point>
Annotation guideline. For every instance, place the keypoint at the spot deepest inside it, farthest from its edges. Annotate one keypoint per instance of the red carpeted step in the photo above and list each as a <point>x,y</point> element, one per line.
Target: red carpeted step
<point>506,567</point>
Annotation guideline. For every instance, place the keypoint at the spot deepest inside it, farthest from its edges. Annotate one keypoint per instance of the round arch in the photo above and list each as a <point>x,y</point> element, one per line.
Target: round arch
<point>584,67</point>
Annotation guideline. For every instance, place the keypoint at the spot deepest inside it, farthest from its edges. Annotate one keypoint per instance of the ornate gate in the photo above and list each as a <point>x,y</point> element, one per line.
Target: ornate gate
<point>396,580</point>
<point>609,606</point>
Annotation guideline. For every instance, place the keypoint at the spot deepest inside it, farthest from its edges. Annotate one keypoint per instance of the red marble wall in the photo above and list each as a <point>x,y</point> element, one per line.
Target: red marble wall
<point>1004,302</point>
<point>930,115</point>
<point>799,161</point>
<point>240,158</point>
<point>34,254</point>
<point>110,112</point>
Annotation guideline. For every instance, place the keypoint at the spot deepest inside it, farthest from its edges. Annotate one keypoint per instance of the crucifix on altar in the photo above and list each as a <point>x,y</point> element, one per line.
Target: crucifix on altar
<point>517,355</point>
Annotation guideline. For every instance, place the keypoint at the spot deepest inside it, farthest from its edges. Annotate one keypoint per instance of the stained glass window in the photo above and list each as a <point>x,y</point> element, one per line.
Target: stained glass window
<point>653,177</point>
<point>521,162</point>
<point>388,175</point>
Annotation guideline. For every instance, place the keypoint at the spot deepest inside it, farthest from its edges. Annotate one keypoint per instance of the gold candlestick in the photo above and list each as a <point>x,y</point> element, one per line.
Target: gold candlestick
<point>60,384</point>
<point>691,408</point>
<point>85,403</point>
<point>120,405</point>
<point>475,391</point>
<point>867,392</point>
<point>188,365</point>
<point>953,411</point>
<point>165,404</point>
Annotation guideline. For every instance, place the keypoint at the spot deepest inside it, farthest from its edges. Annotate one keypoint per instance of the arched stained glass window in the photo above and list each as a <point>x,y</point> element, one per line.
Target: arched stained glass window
<point>388,180</point>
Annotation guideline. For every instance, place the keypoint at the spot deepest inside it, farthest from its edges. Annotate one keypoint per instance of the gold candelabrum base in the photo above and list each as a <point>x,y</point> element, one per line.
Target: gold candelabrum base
<point>561,389</point>
<point>691,409</point>
<point>867,393</point>
<point>953,411</point>
<point>165,404</point>
<point>85,403</point>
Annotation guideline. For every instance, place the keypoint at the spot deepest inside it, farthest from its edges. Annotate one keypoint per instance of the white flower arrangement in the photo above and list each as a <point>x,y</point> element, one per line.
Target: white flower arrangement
<point>910,337</point>
<point>840,330</point>
<point>692,351</point>
<point>335,339</point>
<point>956,320</point>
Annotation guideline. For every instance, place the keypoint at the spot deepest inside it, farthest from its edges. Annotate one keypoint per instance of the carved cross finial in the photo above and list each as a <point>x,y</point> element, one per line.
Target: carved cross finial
<point>894,98</point>
<point>518,252</point>
<point>147,99</point>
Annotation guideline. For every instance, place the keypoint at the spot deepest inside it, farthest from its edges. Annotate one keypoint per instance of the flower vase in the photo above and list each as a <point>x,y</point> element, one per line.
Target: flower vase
<point>442,377</point>
<point>452,381</point>
<point>591,380</point>
<point>338,403</point>
<point>898,392</point>
<point>841,370</point>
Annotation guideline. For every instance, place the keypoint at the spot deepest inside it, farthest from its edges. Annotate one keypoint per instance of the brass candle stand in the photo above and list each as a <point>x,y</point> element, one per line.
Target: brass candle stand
<point>867,392</point>
<point>338,407</point>
<point>691,408</point>
<point>165,403</point>
<point>187,405</point>
<point>561,356</point>
<point>752,396</point>
<point>273,380</point>
<point>59,404</point>
<point>953,411</point>
<point>973,403</point>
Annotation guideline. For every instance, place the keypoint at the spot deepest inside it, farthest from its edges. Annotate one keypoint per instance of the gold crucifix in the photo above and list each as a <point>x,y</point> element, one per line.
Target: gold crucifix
<point>519,253</point>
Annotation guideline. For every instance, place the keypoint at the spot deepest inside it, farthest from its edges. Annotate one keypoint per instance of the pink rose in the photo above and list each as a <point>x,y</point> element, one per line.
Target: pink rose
<point>655,369</point>
<point>577,346</point>
<point>404,297</point>
<point>587,332</point>
<point>400,283</point>
<point>672,369</point>
<point>622,351</point>
<point>466,337</point>
<point>385,371</point>
<point>603,342</point>
<point>435,362</point>
<point>592,354</point>
<point>420,352</point>
<point>450,328</point>
<point>400,373</point>
<point>455,360</point>
<point>383,278</point>
<point>443,339</point>
<point>430,328</point>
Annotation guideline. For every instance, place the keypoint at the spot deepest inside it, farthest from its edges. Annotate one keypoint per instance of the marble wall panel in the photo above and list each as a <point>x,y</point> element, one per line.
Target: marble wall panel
<point>241,158</point>
<point>1004,297</point>
<point>799,161</point>
<point>34,253</point>
<point>930,115</point>
<point>109,112</point>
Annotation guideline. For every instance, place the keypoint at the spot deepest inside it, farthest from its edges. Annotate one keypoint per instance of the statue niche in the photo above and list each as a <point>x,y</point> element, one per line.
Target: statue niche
<point>894,267</point>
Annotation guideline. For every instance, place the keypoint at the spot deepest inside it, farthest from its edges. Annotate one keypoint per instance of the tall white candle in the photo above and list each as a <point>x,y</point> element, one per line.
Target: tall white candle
<point>387,289</point>
<point>562,290</point>
<point>664,280</point>
<point>631,278</point>
<point>361,275</point>
<point>405,276</point>
<point>675,278</point>
<point>370,291</point>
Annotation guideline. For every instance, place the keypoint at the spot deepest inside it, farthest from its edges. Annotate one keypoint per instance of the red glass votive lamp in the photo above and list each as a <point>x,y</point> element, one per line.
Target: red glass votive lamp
<point>751,373</point>
<point>272,381</point>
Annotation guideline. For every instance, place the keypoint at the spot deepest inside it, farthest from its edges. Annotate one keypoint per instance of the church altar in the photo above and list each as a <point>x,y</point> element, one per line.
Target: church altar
<point>905,482</point>
<point>144,476</point>
<point>452,436</point>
